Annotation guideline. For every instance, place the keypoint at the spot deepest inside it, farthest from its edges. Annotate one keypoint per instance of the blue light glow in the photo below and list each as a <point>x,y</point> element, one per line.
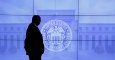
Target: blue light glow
<point>89,27</point>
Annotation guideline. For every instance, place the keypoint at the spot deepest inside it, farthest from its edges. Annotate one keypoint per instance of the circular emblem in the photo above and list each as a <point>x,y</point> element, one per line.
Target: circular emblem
<point>56,35</point>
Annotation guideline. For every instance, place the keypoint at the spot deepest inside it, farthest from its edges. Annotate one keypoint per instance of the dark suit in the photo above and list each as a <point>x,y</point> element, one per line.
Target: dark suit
<point>34,43</point>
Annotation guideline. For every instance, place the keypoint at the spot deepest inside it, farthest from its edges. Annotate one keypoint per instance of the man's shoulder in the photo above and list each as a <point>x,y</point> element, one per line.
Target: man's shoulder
<point>31,26</point>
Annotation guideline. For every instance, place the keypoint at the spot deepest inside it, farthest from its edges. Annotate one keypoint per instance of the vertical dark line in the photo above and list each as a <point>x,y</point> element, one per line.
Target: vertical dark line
<point>55,6</point>
<point>33,7</point>
<point>78,31</point>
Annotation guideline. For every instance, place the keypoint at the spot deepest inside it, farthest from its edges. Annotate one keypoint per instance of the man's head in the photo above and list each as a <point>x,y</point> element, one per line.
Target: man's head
<point>36,19</point>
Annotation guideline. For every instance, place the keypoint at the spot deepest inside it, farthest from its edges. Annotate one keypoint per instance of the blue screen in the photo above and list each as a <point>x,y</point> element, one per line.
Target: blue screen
<point>71,29</point>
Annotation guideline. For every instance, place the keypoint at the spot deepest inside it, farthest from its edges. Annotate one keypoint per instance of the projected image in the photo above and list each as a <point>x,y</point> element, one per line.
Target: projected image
<point>56,34</point>
<point>59,34</point>
<point>71,29</point>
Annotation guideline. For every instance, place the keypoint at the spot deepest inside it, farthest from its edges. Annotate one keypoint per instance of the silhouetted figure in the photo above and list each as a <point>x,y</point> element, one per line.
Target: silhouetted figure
<point>34,46</point>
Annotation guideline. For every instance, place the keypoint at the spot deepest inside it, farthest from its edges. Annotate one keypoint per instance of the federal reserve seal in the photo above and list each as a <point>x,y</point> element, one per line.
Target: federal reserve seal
<point>57,35</point>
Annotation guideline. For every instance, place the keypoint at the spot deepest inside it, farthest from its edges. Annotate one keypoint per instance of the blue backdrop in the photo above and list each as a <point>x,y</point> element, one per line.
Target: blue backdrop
<point>72,29</point>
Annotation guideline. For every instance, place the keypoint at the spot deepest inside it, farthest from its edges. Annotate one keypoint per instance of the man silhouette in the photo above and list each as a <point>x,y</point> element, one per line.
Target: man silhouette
<point>34,46</point>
